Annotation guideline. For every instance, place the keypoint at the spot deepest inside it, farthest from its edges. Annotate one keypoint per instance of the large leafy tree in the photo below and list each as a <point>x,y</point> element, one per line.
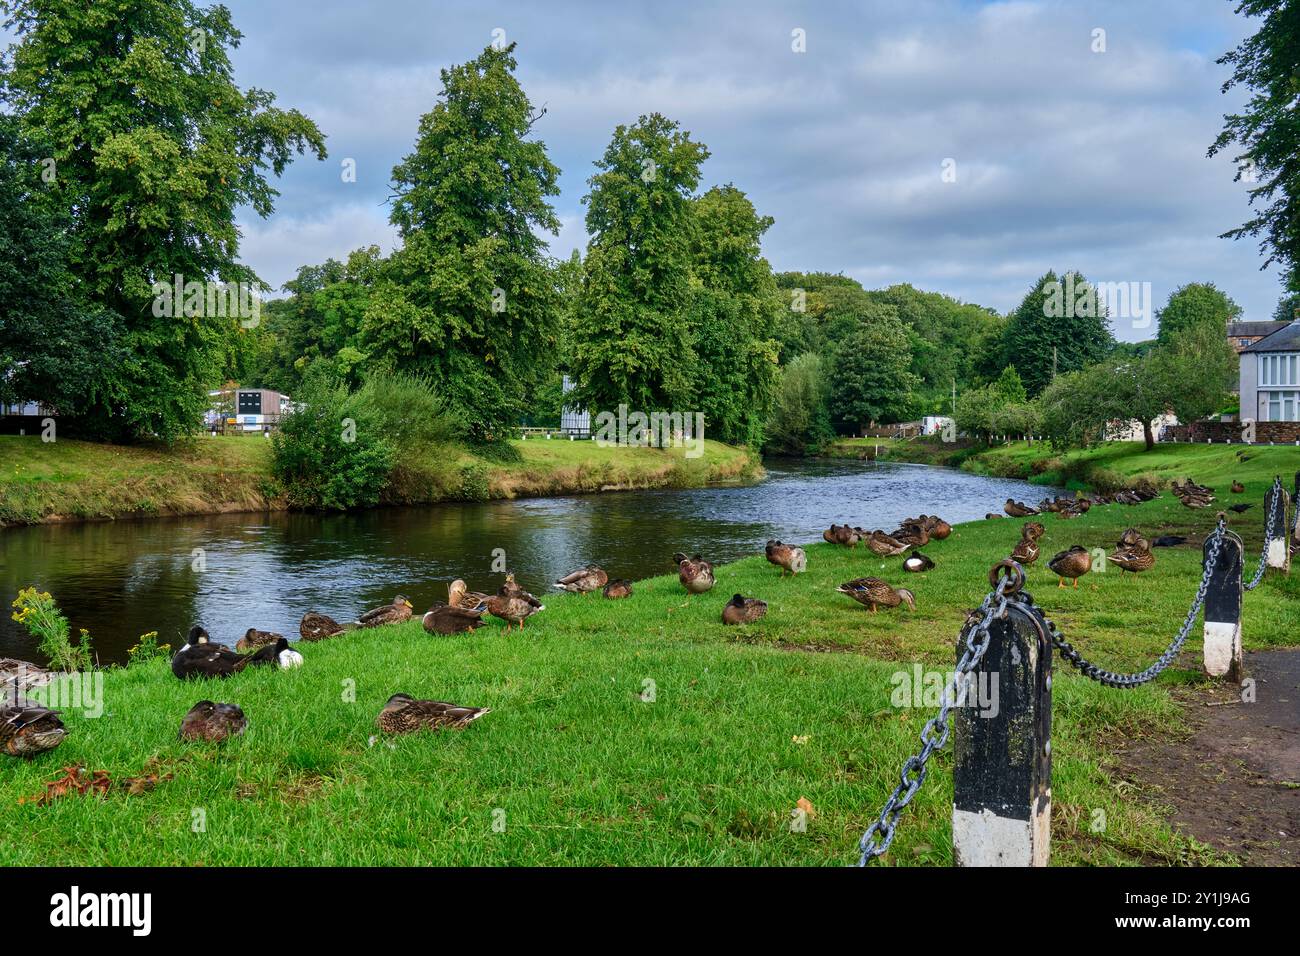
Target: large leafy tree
<point>1059,326</point>
<point>54,346</point>
<point>635,345</point>
<point>800,421</point>
<point>1267,132</point>
<point>154,147</point>
<point>733,316</point>
<point>467,300</point>
<point>1193,305</point>
<point>870,377</point>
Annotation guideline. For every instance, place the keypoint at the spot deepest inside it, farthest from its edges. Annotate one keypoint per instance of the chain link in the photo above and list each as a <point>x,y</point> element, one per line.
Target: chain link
<point>1112,679</point>
<point>877,839</point>
<point>1268,534</point>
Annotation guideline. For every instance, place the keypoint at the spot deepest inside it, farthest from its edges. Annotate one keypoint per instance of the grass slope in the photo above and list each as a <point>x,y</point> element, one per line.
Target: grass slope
<point>68,479</point>
<point>743,723</point>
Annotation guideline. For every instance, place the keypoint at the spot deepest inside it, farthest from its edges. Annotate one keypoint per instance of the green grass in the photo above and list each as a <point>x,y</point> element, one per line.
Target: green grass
<point>587,772</point>
<point>75,480</point>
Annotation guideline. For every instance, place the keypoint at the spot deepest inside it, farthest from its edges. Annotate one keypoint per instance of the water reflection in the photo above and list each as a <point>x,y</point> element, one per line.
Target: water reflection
<point>121,579</point>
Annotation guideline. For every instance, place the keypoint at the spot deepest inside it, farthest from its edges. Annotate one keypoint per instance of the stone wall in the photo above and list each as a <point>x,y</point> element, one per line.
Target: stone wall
<point>1266,433</point>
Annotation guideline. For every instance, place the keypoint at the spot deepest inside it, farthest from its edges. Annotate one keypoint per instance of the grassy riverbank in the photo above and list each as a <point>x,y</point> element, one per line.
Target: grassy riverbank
<point>645,732</point>
<point>74,480</point>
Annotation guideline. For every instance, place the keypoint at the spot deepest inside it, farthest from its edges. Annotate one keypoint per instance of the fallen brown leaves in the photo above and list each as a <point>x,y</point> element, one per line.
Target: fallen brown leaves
<point>77,780</point>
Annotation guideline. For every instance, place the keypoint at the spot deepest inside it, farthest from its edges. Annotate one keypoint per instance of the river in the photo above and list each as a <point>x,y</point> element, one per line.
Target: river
<point>119,579</point>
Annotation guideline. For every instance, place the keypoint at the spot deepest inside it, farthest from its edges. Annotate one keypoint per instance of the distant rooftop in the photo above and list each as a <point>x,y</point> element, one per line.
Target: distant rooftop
<point>1285,339</point>
<point>1248,330</point>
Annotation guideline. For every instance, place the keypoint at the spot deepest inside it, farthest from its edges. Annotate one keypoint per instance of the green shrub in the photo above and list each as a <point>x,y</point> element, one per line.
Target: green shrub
<point>475,482</point>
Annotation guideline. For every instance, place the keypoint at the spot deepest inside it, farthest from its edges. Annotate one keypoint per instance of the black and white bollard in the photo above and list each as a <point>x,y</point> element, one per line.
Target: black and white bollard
<point>1295,518</point>
<point>1275,508</point>
<point>1222,645</point>
<point>1002,787</point>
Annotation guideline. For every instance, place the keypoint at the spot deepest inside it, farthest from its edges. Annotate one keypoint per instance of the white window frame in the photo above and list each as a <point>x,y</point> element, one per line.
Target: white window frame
<point>1279,369</point>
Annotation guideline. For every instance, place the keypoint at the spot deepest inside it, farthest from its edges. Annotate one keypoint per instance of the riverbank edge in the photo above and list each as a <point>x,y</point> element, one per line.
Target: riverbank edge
<point>118,482</point>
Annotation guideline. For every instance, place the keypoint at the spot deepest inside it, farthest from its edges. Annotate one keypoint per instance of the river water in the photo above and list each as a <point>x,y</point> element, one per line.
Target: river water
<point>119,579</point>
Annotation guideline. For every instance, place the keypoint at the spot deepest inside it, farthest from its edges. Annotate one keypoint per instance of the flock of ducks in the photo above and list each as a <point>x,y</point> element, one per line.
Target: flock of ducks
<point>28,729</point>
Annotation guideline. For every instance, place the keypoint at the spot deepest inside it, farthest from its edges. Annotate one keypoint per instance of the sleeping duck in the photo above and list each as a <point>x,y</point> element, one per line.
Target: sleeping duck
<point>583,581</point>
<point>512,604</point>
<point>873,593</point>
<point>913,535</point>
<point>27,728</point>
<point>1026,550</point>
<point>787,557</point>
<point>17,677</point>
<point>1074,563</point>
<point>459,594</point>
<point>253,639</point>
<point>213,722</point>
<point>1018,510</point>
<point>200,656</point>
<point>403,714</point>
<point>317,627</point>
<point>841,534</point>
<point>618,589</point>
<point>695,573</point>
<point>453,618</point>
<point>743,610</point>
<point>395,613</point>
<point>917,562</point>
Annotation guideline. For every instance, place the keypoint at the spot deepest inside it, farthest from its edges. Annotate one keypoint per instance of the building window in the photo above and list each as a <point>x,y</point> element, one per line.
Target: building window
<point>1279,369</point>
<point>1282,406</point>
<point>1243,342</point>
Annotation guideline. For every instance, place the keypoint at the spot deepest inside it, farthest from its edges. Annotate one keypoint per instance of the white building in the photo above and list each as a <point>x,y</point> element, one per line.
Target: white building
<point>1269,382</point>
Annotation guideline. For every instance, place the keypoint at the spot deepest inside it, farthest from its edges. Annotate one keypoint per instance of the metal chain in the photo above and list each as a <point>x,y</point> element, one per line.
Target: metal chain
<point>877,839</point>
<point>1110,678</point>
<point>1268,536</point>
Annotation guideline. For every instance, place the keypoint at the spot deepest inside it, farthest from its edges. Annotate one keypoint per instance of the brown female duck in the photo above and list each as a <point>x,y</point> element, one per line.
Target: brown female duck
<point>618,589</point>
<point>512,604</point>
<point>253,639</point>
<point>403,714</point>
<point>1018,510</point>
<point>1136,558</point>
<point>873,593</point>
<point>1074,563</point>
<point>841,534</point>
<point>395,613</point>
<point>787,557</point>
<point>1026,550</point>
<point>583,581</point>
<point>884,545</point>
<point>27,728</point>
<point>317,627</point>
<point>213,722</point>
<point>453,618</point>
<point>743,610</point>
<point>695,573</point>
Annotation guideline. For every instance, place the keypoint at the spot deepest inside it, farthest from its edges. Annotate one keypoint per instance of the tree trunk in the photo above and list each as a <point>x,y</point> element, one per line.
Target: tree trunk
<point>1147,434</point>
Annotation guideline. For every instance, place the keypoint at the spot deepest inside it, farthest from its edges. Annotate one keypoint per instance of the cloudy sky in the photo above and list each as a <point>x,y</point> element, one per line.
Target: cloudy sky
<point>1064,157</point>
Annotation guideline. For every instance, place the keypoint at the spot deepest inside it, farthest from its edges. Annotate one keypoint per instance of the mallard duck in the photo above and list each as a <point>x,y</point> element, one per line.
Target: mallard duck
<point>912,535</point>
<point>787,557</point>
<point>1240,509</point>
<point>884,545</point>
<point>938,528</point>
<point>28,729</point>
<point>395,613</point>
<point>17,677</point>
<point>917,562</point>
<point>1026,550</point>
<point>512,604</point>
<point>743,610</point>
<point>841,534</point>
<point>1074,563</point>
<point>989,515</point>
<point>1065,514</point>
<point>1082,505</point>
<point>200,656</point>
<point>453,618</point>
<point>1033,529</point>
<point>403,714</point>
<point>1237,487</point>
<point>459,594</point>
<point>695,573</point>
<point>1130,537</point>
<point>253,639</point>
<point>873,593</point>
<point>1136,558</point>
<point>317,627</point>
<point>213,722</point>
<point>618,589</point>
<point>583,581</point>
<point>1018,510</point>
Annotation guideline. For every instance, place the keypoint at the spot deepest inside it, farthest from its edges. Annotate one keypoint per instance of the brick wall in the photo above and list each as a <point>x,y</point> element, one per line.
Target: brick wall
<point>1265,432</point>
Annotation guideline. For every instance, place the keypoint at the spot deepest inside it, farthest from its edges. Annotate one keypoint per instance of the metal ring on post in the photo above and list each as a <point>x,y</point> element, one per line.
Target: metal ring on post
<point>1015,575</point>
